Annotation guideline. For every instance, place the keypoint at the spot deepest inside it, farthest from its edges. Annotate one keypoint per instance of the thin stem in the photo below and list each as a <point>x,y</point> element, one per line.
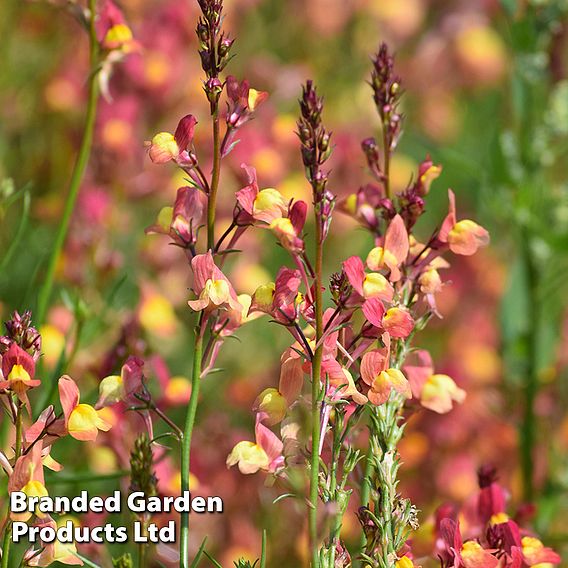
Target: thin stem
<point>212,201</point>
<point>142,548</point>
<point>187,435</point>
<point>366,489</point>
<point>316,402</point>
<point>387,153</point>
<point>7,542</point>
<point>78,170</point>
<point>337,519</point>
<point>528,426</point>
<point>224,235</point>
<point>168,421</point>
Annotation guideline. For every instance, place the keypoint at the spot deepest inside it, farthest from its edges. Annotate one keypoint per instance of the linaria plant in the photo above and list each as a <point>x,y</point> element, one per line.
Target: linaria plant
<point>219,310</point>
<point>356,343</point>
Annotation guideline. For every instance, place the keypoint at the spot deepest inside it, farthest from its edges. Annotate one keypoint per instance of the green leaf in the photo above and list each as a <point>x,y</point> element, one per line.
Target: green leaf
<point>199,554</point>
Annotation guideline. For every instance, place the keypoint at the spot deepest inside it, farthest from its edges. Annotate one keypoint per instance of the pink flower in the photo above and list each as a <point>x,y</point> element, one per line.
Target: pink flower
<point>264,205</point>
<point>112,31</point>
<point>394,251</point>
<point>17,375</point>
<point>463,237</point>
<point>535,553</point>
<point>381,378</point>
<point>436,392</point>
<point>427,173</point>
<point>263,454</point>
<point>373,285</point>
<point>123,387</point>
<point>211,286</point>
<point>166,147</point>
<point>244,101</point>
<point>465,555</point>
<point>50,552</point>
<point>183,220</point>
<point>363,205</point>
<point>288,230</point>
<point>28,478</point>
<point>397,322</point>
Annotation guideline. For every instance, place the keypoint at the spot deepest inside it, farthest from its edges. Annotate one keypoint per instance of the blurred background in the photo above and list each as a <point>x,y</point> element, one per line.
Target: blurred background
<point>486,97</point>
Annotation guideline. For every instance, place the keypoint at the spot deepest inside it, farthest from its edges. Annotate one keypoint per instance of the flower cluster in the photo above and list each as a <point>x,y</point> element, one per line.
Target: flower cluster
<point>33,439</point>
<point>367,358</point>
<point>484,534</point>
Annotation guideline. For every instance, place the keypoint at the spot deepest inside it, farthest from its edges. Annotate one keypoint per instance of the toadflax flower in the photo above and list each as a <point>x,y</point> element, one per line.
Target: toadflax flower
<point>372,285</point>
<point>55,551</point>
<point>469,554</point>
<point>264,454</point>
<point>123,387</point>
<point>264,205</point>
<point>82,421</point>
<point>436,392</point>
<point>28,478</point>
<point>17,373</point>
<point>462,237</point>
<point>381,378</point>
<point>271,404</point>
<point>166,147</point>
<point>393,252</point>
<point>243,101</point>
<point>211,286</point>
<point>182,221</point>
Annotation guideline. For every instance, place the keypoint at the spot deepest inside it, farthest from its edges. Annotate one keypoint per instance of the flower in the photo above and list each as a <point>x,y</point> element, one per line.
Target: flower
<point>123,387</point>
<point>468,554</point>
<point>373,285</point>
<point>364,205</point>
<point>436,392</point>
<point>166,147</point>
<point>56,551</point>
<point>282,298</point>
<point>535,553</point>
<point>28,478</point>
<point>112,30</point>
<point>244,101</point>
<point>182,221</point>
<point>17,373</point>
<point>272,404</point>
<point>393,252</point>
<point>288,229</point>
<point>463,237</point>
<point>396,321</point>
<point>381,378</point>
<point>82,421</point>
<point>264,454</point>
<point>264,205</point>
<point>427,173</point>
<point>211,286</point>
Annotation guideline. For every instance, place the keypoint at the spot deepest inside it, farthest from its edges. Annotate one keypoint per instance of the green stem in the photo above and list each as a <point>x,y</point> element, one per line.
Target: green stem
<point>7,542</point>
<point>337,519</point>
<point>78,170</point>
<point>142,549</point>
<point>366,492</point>
<point>528,426</point>
<point>212,201</point>
<point>187,435</point>
<point>316,402</point>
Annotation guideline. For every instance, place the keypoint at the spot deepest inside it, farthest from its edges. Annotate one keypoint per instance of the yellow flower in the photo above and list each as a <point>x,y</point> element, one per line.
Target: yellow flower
<point>249,457</point>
